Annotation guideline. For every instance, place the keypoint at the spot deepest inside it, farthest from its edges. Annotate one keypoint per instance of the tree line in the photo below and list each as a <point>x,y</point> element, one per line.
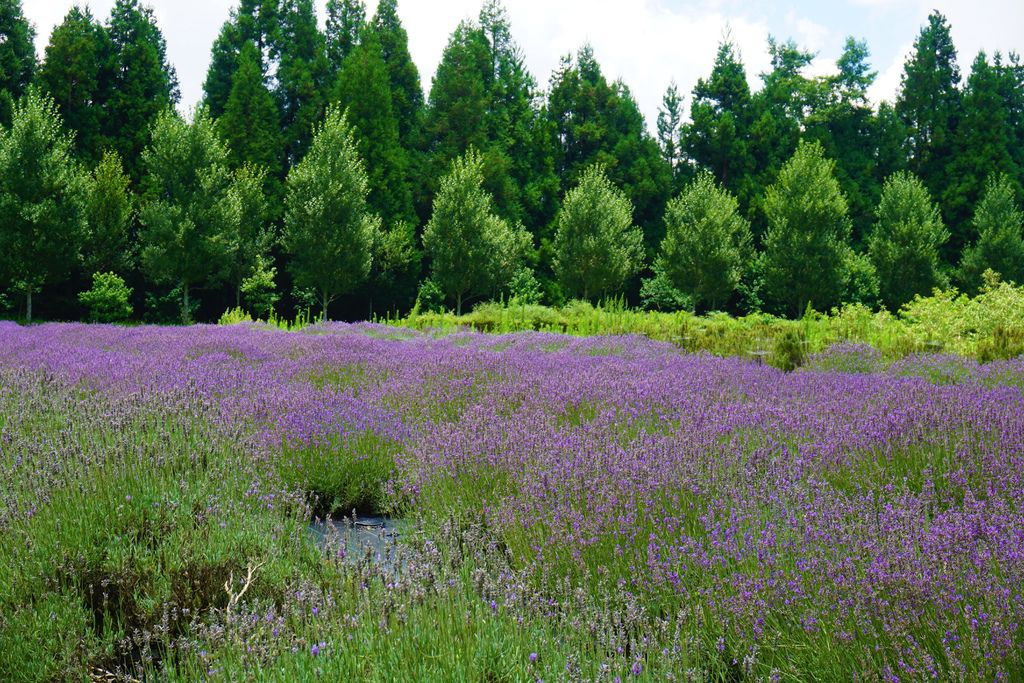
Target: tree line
<point>315,173</point>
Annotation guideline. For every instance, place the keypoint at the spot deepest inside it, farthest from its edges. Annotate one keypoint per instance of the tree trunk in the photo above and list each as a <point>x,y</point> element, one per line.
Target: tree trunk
<point>238,296</point>
<point>326,300</point>
<point>28,305</point>
<point>186,314</point>
<point>458,304</point>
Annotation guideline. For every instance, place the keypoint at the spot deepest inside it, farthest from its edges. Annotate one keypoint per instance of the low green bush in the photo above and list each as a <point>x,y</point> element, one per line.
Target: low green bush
<point>108,300</point>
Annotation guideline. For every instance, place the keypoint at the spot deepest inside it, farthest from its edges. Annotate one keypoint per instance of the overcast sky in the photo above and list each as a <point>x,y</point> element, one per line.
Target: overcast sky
<point>647,43</point>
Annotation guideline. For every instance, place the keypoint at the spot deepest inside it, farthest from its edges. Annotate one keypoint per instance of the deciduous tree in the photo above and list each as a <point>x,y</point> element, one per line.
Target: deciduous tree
<point>42,199</point>
<point>999,223</point>
<point>904,246</point>
<point>329,231</point>
<point>597,246</point>
<point>806,246</point>
<point>472,251</point>
<point>189,216</point>
<point>707,245</point>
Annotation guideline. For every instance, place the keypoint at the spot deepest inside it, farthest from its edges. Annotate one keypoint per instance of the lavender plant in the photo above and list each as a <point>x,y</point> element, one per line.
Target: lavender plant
<point>579,509</point>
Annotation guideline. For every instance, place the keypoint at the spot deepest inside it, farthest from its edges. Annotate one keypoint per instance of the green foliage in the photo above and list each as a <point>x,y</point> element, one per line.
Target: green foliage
<point>659,294</point>
<point>597,247</point>
<point>329,230</point>
<point>250,122</point>
<point>108,300</point>
<point>597,122</point>
<point>472,251</point>
<point>983,147</point>
<point>861,284</point>
<point>396,268</point>
<point>302,75</point>
<point>841,118</point>
<point>808,232</point>
<point>190,216</point>
<point>999,223</point>
<point>259,289</point>
<point>707,245</point>
<point>17,57</point>
<point>406,91</point>
<point>524,288</point>
<point>789,351</point>
<point>143,84</point>
<point>110,208</point>
<point>929,104</point>
<point>345,22</point>
<point>429,297</point>
<point>249,257</point>
<point>904,246</point>
<point>43,197</point>
<point>346,474</point>
<point>76,73</point>
<point>670,131</point>
<point>364,92</point>
<point>985,327</point>
<point>717,138</point>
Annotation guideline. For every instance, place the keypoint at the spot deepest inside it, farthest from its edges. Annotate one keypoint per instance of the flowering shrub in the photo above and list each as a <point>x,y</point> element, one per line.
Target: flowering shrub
<point>581,508</point>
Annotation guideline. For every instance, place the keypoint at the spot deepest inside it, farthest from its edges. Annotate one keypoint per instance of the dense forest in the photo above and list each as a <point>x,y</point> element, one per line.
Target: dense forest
<point>316,174</point>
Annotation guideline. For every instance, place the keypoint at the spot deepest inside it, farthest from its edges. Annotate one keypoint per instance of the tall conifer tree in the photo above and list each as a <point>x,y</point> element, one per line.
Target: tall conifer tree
<point>983,146</point>
<point>929,104</point>
<point>250,123</point>
<point>76,72</point>
<point>17,56</point>
<point>143,83</point>
<point>364,92</point>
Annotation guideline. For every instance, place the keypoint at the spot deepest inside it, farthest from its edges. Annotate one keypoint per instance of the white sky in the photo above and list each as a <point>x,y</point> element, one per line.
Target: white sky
<point>647,43</point>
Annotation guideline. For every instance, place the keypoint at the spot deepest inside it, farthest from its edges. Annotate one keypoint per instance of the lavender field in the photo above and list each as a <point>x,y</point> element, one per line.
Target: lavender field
<point>600,509</point>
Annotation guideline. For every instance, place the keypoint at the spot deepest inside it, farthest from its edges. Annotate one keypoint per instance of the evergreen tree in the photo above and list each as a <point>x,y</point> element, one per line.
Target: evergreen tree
<point>143,84</point>
<point>406,90</point>
<point>999,223</point>
<point>708,245</point>
<point>364,92</point>
<point>459,98</point>
<point>842,120</point>
<point>76,73</point>
<point>472,251</point>
<point>806,247</point>
<point>329,231</point>
<point>904,246</point>
<point>406,100</point>
<point>250,124</point>
<point>42,199</point>
<point>670,128</point>
<point>983,146</point>
<point>345,21</point>
<point>593,121</point>
<point>189,216</point>
<point>777,116</point>
<point>110,210</point>
<point>17,56</point>
<point>223,64</point>
<point>890,143</point>
<point>255,21</point>
<point>1011,87</point>
<point>717,138</point>
<point>597,247</point>
<point>302,75</point>
<point>929,104</point>
<point>483,97</point>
